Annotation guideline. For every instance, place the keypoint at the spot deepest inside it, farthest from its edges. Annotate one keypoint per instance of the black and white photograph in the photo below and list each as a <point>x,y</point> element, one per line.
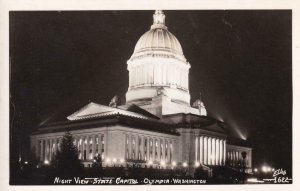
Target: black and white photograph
<point>150,97</point>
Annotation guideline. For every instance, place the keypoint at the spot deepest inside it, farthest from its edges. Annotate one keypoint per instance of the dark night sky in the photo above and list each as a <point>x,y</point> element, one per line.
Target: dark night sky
<point>240,61</point>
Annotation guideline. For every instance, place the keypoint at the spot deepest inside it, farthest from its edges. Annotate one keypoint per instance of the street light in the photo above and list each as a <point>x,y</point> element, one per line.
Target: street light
<point>108,160</point>
<point>174,164</point>
<point>150,162</point>
<point>266,169</point>
<point>184,164</point>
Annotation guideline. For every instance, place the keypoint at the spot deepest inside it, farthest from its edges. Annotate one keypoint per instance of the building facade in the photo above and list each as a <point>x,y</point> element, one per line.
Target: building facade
<point>157,126</point>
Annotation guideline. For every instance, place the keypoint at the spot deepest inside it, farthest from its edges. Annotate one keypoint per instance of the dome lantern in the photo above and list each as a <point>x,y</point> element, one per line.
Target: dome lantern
<point>159,20</point>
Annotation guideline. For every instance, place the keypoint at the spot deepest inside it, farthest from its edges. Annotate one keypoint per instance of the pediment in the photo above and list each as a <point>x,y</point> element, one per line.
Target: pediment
<point>93,110</point>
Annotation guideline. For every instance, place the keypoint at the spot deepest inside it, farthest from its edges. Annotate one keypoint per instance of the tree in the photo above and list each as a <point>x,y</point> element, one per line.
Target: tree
<point>97,162</point>
<point>66,161</point>
<point>96,169</point>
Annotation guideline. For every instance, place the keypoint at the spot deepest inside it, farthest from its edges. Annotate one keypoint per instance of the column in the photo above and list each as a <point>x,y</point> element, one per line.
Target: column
<point>57,145</point>
<point>217,151</point>
<point>205,150</point>
<point>93,146</point>
<point>54,147</point>
<point>81,147</point>
<point>201,150</point>
<point>105,153</point>
<point>142,148</point>
<point>148,148</point>
<point>164,150</point>
<point>99,144</point>
<point>46,149</point>
<point>168,152</point>
<point>196,149</point>
<point>250,159</point>
<point>213,151</point>
<point>136,146</point>
<point>159,148</point>
<point>224,151</point>
<point>42,151</point>
<point>209,151</point>
<point>172,144</point>
<point>153,149</point>
<point>89,147</point>
<point>221,152</point>
<point>51,150</point>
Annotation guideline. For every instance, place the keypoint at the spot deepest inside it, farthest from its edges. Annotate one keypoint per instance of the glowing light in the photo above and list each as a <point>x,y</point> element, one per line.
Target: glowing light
<point>150,162</point>
<point>122,160</point>
<point>94,160</point>
<point>266,169</point>
<point>174,163</point>
<point>114,160</point>
<point>255,170</point>
<point>184,164</point>
<point>46,162</point>
<point>237,129</point>
<point>163,163</point>
<point>254,180</point>
<point>26,162</point>
<point>273,169</point>
<point>108,160</point>
<point>197,164</point>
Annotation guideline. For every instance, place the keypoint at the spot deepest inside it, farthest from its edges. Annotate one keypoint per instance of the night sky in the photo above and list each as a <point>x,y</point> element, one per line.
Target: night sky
<point>241,62</point>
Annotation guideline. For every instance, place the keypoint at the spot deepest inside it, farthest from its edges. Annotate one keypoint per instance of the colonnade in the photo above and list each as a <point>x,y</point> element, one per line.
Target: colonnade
<point>210,150</point>
<point>158,74</point>
<point>88,147</point>
<point>235,158</point>
<point>149,148</point>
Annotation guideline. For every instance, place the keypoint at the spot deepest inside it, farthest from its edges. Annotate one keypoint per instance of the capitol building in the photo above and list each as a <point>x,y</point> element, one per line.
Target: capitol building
<point>157,127</point>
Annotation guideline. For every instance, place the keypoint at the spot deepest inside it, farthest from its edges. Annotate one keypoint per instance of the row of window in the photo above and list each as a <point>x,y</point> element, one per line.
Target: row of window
<point>148,149</point>
<point>85,147</point>
<point>47,148</point>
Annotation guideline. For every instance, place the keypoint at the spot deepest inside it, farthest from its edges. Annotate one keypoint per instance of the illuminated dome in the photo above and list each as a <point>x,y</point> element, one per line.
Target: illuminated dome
<point>156,64</point>
<point>158,40</point>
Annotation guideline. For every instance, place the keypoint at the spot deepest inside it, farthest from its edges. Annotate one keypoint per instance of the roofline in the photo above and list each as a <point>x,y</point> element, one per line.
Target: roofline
<point>109,121</point>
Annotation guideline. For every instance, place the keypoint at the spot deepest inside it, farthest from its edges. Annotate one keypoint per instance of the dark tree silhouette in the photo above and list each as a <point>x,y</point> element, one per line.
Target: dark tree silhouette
<point>66,161</point>
<point>97,163</point>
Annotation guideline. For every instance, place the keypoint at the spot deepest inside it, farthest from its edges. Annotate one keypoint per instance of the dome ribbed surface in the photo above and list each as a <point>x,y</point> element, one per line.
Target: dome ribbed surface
<point>158,39</point>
